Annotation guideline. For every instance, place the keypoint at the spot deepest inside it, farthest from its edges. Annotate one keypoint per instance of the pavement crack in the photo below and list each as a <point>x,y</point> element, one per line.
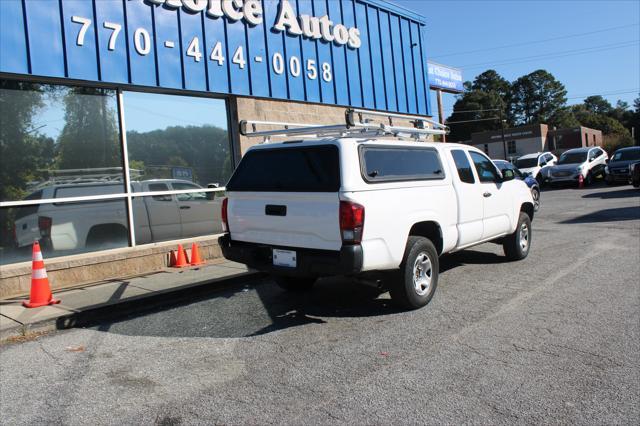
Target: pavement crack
<point>534,350</point>
<point>598,356</point>
<point>55,359</point>
<point>483,355</point>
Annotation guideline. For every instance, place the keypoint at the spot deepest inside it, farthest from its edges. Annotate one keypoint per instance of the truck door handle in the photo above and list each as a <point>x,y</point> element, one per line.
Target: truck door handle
<point>487,194</point>
<point>185,207</point>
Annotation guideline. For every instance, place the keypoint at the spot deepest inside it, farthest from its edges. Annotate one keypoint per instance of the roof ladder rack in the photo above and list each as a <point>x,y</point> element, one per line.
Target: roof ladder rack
<point>358,123</point>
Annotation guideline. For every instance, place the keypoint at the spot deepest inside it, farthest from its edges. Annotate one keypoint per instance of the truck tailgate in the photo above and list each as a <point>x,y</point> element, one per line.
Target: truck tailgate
<point>308,220</point>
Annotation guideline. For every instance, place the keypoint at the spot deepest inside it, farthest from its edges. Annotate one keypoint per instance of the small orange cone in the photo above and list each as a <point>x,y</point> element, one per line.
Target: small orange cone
<point>580,181</point>
<point>181,258</point>
<point>40,289</point>
<point>195,255</point>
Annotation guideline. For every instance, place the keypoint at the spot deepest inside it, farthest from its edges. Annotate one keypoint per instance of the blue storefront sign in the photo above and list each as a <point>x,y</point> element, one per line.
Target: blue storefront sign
<point>344,52</point>
<point>445,78</point>
<point>182,173</point>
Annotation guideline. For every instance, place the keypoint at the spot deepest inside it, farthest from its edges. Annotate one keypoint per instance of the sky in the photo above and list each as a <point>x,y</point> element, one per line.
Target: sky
<point>471,34</point>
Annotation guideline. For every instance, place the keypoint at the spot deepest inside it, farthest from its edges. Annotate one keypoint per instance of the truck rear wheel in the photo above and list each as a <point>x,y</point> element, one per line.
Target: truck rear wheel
<point>418,277</point>
<point>294,284</point>
<point>516,245</point>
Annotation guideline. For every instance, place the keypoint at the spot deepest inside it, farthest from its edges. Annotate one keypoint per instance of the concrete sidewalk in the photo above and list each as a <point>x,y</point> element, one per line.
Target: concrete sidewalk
<point>89,303</point>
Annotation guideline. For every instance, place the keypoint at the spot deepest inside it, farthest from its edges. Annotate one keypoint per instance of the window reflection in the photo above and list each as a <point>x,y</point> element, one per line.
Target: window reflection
<point>63,229</point>
<point>178,137</point>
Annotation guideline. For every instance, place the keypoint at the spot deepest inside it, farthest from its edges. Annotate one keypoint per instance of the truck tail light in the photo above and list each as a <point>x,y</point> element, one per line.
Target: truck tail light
<point>351,222</point>
<point>225,217</point>
<point>44,224</point>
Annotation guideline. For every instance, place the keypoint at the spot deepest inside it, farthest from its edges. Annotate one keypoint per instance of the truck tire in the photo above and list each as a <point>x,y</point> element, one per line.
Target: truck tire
<point>418,276</point>
<point>294,284</point>
<point>516,245</point>
<point>106,236</point>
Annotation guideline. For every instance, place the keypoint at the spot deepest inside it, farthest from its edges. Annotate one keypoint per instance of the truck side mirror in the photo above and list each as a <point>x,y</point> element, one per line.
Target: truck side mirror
<point>507,175</point>
<point>211,195</point>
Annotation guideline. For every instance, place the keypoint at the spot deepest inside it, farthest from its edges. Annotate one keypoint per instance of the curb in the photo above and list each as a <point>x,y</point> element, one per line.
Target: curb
<point>134,305</point>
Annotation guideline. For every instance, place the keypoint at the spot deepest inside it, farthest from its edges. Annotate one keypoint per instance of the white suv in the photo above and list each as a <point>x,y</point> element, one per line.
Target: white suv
<point>578,164</point>
<point>359,206</point>
<point>532,164</point>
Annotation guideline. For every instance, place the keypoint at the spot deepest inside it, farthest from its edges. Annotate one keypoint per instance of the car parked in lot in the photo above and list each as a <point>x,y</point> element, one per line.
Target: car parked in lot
<point>634,171</point>
<point>618,168</point>
<point>380,210</point>
<point>578,164</point>
<point>532,164</point>
<point>532,183</point>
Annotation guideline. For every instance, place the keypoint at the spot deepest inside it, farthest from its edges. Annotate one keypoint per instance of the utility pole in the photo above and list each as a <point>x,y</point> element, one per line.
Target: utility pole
<point>504,144</point>
<point>441,113</point>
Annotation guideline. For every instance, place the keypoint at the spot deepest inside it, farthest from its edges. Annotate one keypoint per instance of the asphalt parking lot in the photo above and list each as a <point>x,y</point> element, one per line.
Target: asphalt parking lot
<point>552,339</point>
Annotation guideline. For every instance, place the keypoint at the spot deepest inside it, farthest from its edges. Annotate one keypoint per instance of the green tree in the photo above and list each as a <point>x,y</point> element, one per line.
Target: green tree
<point>89,138</point>
<point>204,149</point>
<point>23,150</point>
<point>490,81</point>
<point>608,125</point>
<point>635,120</point>
<point>536,97</point>
<point>563,118</point>
<point>476,109</point>
<point>597,105</point>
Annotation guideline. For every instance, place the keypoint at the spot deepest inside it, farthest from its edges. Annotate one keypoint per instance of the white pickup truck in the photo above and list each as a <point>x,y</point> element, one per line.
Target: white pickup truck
<point>103,224</point>
<point>359,206</point>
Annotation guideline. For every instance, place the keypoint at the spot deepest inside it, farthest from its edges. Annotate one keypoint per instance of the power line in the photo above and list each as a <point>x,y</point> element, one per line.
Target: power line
<point>606,94</point>
<point>525,43</point>
<point>552,55</point>
<point>470,121</point>
<point>473,110</point>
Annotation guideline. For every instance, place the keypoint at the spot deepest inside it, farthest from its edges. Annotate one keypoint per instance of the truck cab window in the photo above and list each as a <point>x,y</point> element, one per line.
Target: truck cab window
<point>485,168</point>
<point>194,196</point>
<point>160,187</point>
<point>463,166</point>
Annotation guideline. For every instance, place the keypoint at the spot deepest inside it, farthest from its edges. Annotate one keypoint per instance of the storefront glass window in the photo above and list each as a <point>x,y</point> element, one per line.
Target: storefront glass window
<point>63,142</point>
<point>51,134</point>
<point>177,137</point>
<point>176,143</point>
<point>58,142</point>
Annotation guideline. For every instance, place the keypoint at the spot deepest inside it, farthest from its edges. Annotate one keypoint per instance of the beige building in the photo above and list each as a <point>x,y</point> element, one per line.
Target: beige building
<point>523,140</point>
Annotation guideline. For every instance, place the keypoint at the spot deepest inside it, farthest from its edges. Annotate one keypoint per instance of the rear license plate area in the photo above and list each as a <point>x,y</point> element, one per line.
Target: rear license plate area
<point>284,258</point>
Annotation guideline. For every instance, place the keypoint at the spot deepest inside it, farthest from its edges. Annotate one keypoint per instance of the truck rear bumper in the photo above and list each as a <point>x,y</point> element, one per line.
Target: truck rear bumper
<point>309,262</point>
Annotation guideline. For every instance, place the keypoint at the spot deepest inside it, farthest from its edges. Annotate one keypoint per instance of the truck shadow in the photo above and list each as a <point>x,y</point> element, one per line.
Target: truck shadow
<point>259,307</point>
<point>469,257</point>
<point>248,309</point>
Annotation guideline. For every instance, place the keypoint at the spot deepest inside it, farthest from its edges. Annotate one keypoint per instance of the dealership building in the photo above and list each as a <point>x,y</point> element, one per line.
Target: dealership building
<point>119,118</point>
<point>518,141</point>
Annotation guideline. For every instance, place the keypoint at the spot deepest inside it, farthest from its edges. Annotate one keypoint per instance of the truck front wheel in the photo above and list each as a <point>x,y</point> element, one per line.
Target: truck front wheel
<point>516,245</point>
<point>418,277</point>
<point>294,284</point>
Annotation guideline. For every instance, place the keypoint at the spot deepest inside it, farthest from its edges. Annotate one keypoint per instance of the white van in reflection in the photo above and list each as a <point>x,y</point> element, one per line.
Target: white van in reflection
<point>103,224</point>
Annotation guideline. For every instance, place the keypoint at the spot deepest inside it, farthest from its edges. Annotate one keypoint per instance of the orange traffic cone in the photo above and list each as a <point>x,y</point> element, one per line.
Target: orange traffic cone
<point>40,289</point>
<point>580,181</point>
<point>181,258</point>
<point>195,255</point>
